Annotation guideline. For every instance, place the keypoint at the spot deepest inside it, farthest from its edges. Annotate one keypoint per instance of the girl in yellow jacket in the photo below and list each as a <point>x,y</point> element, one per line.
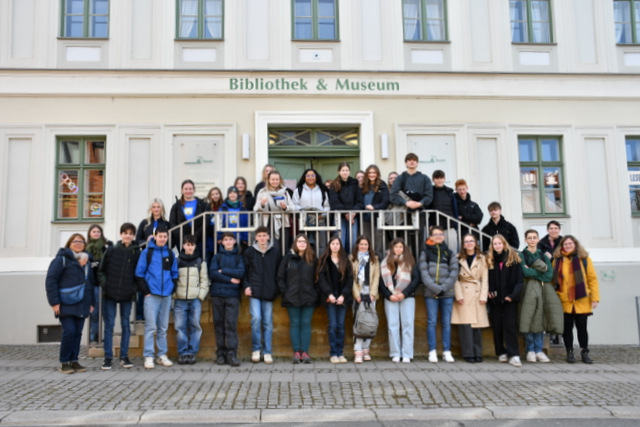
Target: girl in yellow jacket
<point>576,283</point>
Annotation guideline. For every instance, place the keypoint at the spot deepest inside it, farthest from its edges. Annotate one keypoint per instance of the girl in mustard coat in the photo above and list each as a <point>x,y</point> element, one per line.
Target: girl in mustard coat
<point>576,283</point>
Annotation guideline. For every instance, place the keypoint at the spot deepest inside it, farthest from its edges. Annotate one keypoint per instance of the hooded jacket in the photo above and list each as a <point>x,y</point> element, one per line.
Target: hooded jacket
<point>160,276</point>
<point>438,269</point>
<point>116,273</point>
<point>469,211</point>
<point>226,265</point>
<point>261,268</point>
<point>296,281</point>
<point>502,227</point>
<point>66,272</point>
<point>233,219</point>
<point>417,186</point>
<point>193,281</point>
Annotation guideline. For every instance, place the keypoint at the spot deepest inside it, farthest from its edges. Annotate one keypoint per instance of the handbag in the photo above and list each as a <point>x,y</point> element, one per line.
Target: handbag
<point>396,213</point>
<point>365,324</point>
<point>72,295</point>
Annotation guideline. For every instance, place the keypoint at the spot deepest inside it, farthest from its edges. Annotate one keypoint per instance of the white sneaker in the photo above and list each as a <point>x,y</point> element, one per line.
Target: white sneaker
<point>148,363</point>
<point>406,360</point>
<point>267,358</point>
<point>531,357</point>
<point>542,358</point>
<point>334,360</point>
<point>433,357</point>
<point>255,356</point>
<point>395,359</point>
<point>503,358</point>
<point>515,361</point>
<point>446,355</point>
<point>164,361</point>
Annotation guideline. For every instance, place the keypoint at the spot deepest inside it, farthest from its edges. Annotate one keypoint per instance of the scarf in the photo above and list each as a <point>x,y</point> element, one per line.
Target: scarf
<point>274,206</point>
<point>363,260</point>
<point>233,205</point>
<point>579,288</point>
<point>403,277</point>
<point>96,248</point>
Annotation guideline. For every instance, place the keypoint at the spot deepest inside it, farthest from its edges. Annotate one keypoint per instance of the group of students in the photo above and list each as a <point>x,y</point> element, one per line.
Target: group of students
<point>524,291</point>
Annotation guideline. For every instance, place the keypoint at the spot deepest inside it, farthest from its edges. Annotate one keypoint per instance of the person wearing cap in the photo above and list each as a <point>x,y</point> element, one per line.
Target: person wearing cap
<point>233,218</point>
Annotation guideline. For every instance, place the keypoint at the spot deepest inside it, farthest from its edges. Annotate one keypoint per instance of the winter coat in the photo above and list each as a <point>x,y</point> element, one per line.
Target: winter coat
<point>261,270</point>
<point>296,281</point>
<point>160,276</point>
<point>417,187</point>
<point>305,198</point>
<point>374,278</point>
<point>502,227</point>
<point>146,229</point>
<point>232,219</point>
<point>177,217</point>
<point>472,287</point>
<point>468,211</point>
<point>193,281</point>
<point>379,202</point>
<point>116,274</point>
<point>267,208</point>
<point>443,201</point>
<point>439,270</point>
<point>583,305</point>
<point>544,245</point>
<point>349,198</point>
<point>505,281</point>
<point>409,291</point>
<point>329,282</point>
<point>226,265</point>
<point>66,272</point>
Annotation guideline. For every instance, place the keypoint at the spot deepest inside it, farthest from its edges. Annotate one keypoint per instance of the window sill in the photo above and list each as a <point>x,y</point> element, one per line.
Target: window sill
<point>84,38</point>
<point>178,40</point>
<point>533,44</point>
<point>427,41</point>
<point>542,216</point>
<point>78,221</point>
<point>315,40</point>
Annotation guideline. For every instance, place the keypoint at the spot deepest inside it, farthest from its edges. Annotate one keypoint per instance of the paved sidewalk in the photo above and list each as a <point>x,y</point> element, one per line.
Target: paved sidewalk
<point>33,392</point>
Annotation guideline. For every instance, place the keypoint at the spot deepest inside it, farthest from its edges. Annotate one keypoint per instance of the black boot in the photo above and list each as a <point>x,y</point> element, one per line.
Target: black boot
<point>570,357</point>
<point>233,360</point>
<point>585,356</point>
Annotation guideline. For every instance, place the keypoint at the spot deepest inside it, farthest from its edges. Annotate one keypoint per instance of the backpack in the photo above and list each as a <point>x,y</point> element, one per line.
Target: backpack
<point>150,250</point>
<point>324,194</point>
<point>365,324</point>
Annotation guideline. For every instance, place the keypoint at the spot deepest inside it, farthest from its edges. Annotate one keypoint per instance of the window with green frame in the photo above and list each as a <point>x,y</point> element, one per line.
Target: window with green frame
<point>200,19</point>
<point>626,15</point>
<point>541,175</point>
<point>85,19</point>
<point>424,20</point>
<point>80,169</point>
<point>530,21</point>
<point>315,19</point>
<point>633,166</point>
<point>316,141</point>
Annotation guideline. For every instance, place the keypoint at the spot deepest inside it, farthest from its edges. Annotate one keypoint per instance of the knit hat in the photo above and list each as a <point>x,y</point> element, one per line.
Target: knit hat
<point>234,189</point>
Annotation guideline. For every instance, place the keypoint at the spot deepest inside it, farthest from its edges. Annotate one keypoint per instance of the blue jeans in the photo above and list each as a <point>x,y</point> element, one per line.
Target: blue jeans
<point>300,327</point>
<point>348,240</point>
<point>400,317</point>
<point>186,320</point>
<point>534,341</point>
<point>445,305</point>
<point>336,315</point>
<point>109,307</point>
<point>71,336</point>
<point>156,315</point>
<point>94,324</point>
<point>261,324</point>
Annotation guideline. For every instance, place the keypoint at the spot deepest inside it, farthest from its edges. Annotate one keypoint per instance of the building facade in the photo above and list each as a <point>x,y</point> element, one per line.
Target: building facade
<point>107,104</point>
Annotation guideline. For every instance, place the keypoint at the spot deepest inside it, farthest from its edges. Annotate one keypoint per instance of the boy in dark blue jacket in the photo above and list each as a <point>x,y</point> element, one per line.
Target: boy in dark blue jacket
<point>157,274</point>
<point>226,272</point>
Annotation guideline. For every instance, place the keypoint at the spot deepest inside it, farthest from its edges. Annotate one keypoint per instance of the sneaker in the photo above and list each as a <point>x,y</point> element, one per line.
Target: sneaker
<point>148,363</point>
<point>515,361</point>
<point>182,360</point>
<point>221,360</point>
<point>478,359</point>
<point>66,368</point>
<point>433,357</point>
<point>126,363</point>
<point>395,359</point>
<point>305,357</point>
<point>365,355</point>
<point>106,365</point>
<point>255,356</point>
<point>233,360</point>
<point>446,355</point>
<point>406,360</point>
<point>334,360</point>
<point>268,359</point>
<point>296,358</point>
<point>470,359</point>
<point>585,356</point>
<point>542,358</point>
<point>342,359</point>
<point>503,358</point>
<point>358,357</point>
<point>78,367</point>
<point>531,357</point>
<point>191,359</point>
<point>164,361</point>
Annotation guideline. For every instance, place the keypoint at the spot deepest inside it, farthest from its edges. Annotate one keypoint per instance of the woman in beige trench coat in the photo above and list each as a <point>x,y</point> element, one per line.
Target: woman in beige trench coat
<point>471,290</point>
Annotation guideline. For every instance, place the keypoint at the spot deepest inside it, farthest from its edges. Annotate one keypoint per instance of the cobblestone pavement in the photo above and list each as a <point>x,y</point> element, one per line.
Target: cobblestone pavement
<point>29,381</point>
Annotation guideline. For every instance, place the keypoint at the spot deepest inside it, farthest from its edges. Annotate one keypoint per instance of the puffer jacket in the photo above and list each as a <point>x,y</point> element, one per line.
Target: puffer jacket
<point>261,269</point>
<point>374,278</point>
<point>116,273</point>
<point>582,305</point>
<point>472,287</point>
<point>66,272</point>
<point>540,307</point>
<point>160,276</point>
<point>193,281</point>
<point>296,281</point>
<point>226,265</point>
<point>438,269</point>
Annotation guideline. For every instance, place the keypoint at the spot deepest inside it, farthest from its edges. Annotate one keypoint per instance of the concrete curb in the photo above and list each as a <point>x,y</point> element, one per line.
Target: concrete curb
<point>548,412</point>
<point>71,417</point>
<point>201,416</point>
<point>316,415</point>
<point>414,414</point>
